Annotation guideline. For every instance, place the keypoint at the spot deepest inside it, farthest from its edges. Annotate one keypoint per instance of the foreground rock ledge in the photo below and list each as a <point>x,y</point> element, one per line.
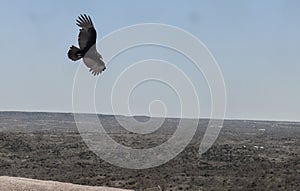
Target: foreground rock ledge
<point>21,184</point>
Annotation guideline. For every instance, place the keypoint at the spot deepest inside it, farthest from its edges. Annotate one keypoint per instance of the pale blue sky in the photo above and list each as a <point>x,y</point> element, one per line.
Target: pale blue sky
<point>256,44</point>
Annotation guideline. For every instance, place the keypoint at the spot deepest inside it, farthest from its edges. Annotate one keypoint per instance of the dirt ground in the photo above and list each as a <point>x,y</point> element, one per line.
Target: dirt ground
<point>248,155</point>
<point>27,184</point>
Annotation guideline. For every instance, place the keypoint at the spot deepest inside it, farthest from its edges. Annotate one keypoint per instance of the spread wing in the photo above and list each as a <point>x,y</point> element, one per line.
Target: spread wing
<point>87,36</point>
<point>94,61</point>
<point>97,68</point>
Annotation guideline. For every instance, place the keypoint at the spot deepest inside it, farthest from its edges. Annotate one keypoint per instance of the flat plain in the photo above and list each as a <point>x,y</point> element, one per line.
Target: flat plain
<point>248,155</point>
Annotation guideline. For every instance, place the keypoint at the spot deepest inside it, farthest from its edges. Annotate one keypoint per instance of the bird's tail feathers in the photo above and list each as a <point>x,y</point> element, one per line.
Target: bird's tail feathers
<point>75,53</point>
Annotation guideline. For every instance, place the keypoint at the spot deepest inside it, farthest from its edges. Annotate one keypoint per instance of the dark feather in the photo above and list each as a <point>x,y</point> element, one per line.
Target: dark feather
<point>87,35</point>
<point>87,46</point>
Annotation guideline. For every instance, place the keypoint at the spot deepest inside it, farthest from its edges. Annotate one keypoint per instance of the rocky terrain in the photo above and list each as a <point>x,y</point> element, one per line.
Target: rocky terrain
<point>248,155</point>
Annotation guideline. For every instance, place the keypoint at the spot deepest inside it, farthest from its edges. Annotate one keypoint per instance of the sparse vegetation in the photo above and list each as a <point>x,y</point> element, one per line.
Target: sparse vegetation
<point>48,147</point>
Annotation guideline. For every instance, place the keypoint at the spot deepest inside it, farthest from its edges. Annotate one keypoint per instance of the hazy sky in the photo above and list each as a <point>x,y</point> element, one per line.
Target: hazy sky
<point>256,44</point>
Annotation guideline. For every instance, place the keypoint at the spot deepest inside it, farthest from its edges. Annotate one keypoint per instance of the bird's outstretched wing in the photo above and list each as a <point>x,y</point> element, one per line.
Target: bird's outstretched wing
<point>94,61</point>
<point>97,68</point>
<point>87,36</point>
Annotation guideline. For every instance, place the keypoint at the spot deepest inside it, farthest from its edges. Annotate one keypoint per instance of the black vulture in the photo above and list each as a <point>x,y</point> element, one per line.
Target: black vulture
<point>87,46</point>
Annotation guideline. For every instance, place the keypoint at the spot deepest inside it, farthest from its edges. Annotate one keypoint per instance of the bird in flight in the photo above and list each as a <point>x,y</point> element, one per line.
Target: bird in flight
<point>87,46</point>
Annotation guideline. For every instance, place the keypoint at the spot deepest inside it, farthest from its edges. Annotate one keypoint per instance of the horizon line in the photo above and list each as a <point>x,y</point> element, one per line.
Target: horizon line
<point>143,115</point>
